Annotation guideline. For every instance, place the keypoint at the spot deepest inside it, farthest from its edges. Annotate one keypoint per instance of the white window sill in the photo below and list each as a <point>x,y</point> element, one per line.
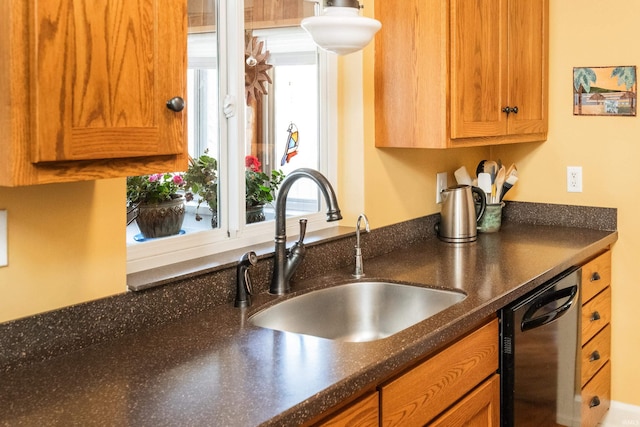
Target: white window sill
<point>168,273</point>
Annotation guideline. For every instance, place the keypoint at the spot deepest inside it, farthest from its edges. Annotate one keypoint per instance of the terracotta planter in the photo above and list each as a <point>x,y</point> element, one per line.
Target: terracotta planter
<point>161,219</point>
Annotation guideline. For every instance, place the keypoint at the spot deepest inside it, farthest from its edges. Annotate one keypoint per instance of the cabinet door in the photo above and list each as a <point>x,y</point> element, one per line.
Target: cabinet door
<point>103,72</point>
<point>481,407</point>
<point>363,413</point>
<point>421,394</point>
<point>528,59</point>
<point>479,80</point>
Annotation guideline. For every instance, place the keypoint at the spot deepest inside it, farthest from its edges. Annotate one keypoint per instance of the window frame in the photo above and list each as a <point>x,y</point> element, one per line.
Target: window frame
<point>233,233</point>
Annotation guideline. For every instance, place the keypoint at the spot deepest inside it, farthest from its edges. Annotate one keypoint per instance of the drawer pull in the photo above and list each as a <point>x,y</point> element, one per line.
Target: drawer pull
<point>595,316</point>
<point>595,276</point>
<point>594,356</point>
<point>595,401</point>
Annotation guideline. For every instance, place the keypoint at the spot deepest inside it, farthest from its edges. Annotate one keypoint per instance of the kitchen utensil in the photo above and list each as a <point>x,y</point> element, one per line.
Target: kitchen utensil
<point>491,167</point>
<point>510,182</point>
<point>462,176</point>
<point>480,167</point>
<point>484,182</point>
<point>458,218</point>
<point>500,179</point>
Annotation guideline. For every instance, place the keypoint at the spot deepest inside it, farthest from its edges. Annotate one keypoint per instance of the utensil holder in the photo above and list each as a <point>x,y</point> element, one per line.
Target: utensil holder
<point>491,221</point>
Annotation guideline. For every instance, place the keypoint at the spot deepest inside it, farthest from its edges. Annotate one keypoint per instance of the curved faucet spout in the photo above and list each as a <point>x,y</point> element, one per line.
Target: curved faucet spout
<point>285,265</point>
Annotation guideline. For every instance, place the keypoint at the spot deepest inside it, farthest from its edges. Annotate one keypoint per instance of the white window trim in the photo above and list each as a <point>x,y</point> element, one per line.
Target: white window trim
<point>177,249</point>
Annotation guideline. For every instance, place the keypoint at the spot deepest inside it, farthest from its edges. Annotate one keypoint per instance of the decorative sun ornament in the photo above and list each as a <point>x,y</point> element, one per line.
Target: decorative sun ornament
<point>255,70</point>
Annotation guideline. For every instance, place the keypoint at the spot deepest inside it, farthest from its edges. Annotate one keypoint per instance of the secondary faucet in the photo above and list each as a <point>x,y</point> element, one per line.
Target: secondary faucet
<point>285,264</point>
<point>359,271</point>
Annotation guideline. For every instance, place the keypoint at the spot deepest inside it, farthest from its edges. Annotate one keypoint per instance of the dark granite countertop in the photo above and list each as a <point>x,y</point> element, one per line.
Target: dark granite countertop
<point>213,368</point>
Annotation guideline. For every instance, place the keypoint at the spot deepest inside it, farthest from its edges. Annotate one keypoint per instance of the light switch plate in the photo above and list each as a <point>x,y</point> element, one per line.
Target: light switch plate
<point>4,259</point>
<point>441,184</point>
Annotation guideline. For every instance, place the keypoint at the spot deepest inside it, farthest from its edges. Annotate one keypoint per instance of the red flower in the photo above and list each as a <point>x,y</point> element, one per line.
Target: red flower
<point>252,163</point>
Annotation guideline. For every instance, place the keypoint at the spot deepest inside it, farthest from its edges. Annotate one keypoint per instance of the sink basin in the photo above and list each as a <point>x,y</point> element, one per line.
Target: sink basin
<point>356,312</point>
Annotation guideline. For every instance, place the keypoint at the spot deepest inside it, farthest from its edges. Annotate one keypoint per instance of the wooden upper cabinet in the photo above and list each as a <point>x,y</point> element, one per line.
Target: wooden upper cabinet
<point>529,67</point>
<point>479,78</point>
<point>461,73</point>
<point>90,81</point>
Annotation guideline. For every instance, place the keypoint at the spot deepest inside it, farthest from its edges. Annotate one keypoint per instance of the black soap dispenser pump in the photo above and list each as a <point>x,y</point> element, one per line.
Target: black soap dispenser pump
<point>244,290</point>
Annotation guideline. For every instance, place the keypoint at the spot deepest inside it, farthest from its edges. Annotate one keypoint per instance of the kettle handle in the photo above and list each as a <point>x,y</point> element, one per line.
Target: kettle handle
<point>483,201</point>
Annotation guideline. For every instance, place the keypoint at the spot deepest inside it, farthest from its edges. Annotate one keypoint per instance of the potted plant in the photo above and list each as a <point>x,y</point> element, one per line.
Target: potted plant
<point>260,188</point>
<point>157,207</point>
<point>201,180</point>
<point>201,184</point>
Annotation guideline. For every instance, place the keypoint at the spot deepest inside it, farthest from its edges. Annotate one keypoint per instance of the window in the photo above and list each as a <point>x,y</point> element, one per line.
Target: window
<point>293,90</point>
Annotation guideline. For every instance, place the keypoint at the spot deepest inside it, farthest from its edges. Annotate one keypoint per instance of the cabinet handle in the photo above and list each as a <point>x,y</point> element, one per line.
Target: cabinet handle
<point>595,316</point>
<point>175,104</point>
<point>594,356</point>
<point>595,277</point>
<point>509,110</point>
<point>595,401</point>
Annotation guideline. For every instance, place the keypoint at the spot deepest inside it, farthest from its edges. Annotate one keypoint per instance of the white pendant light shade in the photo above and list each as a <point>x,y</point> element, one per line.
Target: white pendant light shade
<point>341,30</point>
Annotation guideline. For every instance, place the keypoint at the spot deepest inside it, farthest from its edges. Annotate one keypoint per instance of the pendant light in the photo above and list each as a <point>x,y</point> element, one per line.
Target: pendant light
<point>338,26</point>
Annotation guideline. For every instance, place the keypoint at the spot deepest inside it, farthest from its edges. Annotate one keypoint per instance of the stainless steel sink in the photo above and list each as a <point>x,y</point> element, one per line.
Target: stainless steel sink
<point>356,312</point>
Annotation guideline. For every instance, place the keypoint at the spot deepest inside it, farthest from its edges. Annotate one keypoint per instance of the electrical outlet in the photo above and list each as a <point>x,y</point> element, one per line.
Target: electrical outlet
<point>441,184</point>
<point>3,239</point>
<point>574,179</point>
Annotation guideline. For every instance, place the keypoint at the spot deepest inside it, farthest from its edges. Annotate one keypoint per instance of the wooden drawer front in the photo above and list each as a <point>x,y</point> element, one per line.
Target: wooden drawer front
<point>596,275</point>
<point>596,314</point>
<point>425,391</point>
<point>598,390</point>
<point>596,353</point>
<point>363,413</point>
<point>481,407</point>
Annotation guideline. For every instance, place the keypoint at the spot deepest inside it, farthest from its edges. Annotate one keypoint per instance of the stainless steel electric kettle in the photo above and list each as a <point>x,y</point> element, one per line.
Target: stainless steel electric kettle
<point>458,217</point>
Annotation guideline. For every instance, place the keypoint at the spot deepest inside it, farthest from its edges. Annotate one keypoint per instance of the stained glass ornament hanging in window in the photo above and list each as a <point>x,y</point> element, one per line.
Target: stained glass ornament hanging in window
<point>291,148</point>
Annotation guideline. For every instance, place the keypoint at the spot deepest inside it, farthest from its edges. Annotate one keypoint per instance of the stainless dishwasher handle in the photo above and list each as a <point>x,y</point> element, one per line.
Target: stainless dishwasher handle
<point>531,322</point>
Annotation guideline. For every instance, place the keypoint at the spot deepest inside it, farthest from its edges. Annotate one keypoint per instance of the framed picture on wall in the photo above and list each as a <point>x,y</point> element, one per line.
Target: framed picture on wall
<point>605,91</point>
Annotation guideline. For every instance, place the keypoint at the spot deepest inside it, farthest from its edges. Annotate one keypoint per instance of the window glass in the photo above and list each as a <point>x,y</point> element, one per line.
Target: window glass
<point>282,124</point>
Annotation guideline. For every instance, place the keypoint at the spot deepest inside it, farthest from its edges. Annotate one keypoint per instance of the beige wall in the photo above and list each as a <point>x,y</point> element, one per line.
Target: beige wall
<point>66,242</point>
<point>66,245</point>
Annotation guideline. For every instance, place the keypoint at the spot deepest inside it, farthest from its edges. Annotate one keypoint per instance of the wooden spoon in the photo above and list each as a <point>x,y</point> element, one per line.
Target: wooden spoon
<point>500,177</point>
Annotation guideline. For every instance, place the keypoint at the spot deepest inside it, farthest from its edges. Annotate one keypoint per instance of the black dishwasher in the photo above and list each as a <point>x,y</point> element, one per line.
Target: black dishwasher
<point>539,353</point>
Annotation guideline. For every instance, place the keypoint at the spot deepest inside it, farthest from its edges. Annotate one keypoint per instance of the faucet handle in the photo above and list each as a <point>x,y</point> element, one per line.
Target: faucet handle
<point>303,229</point>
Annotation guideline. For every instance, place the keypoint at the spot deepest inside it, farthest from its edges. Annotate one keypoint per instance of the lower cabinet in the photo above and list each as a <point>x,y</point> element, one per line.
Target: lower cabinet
<point>362,413</point>
<point>481,407</point>
<point>595,364</point>
<point>425,391</point>
<point>454,387</point>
